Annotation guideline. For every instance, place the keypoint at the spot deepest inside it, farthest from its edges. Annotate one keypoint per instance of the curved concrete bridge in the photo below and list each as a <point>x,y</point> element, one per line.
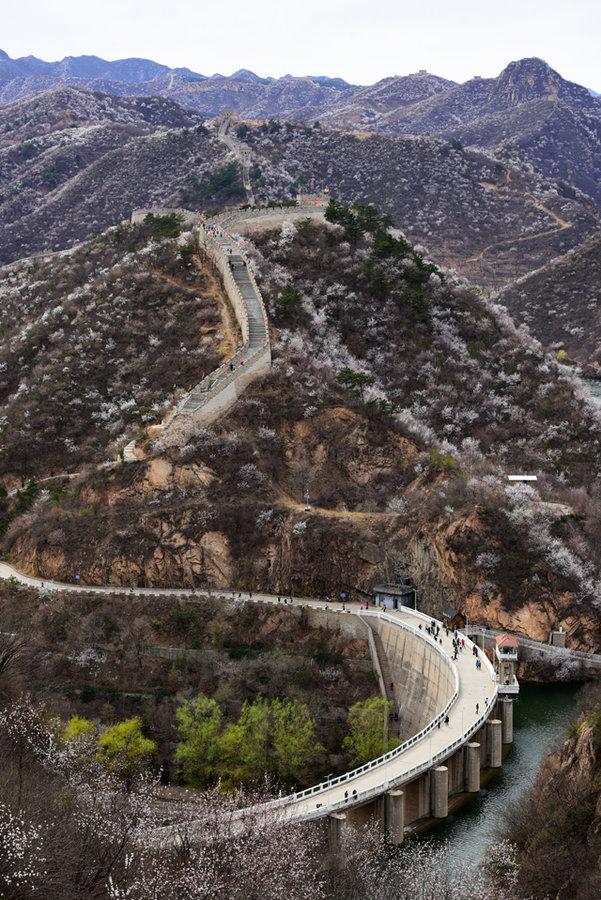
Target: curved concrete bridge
<point>439,760</point>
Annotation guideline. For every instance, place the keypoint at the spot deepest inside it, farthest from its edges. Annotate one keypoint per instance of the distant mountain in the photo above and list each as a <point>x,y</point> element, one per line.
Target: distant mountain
<point>554,122</point>
<point>364,107</point>
<point>73,162</point>
<point>529,107</point>
<point>244,92</point>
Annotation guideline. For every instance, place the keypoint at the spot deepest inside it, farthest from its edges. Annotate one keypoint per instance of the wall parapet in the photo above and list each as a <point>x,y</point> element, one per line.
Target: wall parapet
<point>219,390</point>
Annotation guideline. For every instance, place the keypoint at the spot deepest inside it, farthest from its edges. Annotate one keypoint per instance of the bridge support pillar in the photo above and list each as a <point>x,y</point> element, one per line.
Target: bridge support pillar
<point>394,816</point>
<point>507,720</point>
<point>472,768</point>
<point>494,740</point>
<point>337,825</point>
<point>423,795</point>
<point>439,787</point>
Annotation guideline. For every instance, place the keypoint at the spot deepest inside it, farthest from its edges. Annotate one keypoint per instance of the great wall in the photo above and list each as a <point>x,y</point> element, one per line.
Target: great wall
<point>456,721</point>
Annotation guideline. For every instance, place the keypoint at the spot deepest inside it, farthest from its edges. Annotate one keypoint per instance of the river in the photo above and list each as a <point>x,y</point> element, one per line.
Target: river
<point>541,717</point>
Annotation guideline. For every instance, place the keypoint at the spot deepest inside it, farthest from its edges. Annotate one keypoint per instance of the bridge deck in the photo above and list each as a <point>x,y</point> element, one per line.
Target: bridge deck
<point>474,687</point>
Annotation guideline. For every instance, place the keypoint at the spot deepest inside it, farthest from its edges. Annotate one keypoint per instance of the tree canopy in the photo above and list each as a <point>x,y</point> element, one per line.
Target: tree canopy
<point>368,735</point>
<point>274,738</point>
<point>123,747</point>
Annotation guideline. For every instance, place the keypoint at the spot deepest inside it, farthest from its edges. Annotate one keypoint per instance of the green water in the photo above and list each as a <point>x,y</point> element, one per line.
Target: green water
<point>541,717</point>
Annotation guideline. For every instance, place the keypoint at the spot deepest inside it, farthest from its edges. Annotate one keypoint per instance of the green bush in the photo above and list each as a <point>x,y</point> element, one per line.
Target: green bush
<point>368,735</point>
<point>288,302</point>
<point>222,185</point>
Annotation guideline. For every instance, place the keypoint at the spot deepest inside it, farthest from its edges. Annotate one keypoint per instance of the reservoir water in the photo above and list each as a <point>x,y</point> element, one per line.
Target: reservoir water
<point>541,717</point>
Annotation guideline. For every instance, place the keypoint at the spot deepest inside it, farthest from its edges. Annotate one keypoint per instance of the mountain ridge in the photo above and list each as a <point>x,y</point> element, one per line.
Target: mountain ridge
<point>555,123</point>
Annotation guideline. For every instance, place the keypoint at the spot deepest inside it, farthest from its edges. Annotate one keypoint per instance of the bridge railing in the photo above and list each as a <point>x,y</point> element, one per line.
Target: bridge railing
<point>287,804</point>
<point>551,649</point>
<point>397,751</point>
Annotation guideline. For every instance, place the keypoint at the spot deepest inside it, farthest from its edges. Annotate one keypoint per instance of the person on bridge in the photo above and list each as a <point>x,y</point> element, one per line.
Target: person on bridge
<point>477,708</point>
<point>446,720</point>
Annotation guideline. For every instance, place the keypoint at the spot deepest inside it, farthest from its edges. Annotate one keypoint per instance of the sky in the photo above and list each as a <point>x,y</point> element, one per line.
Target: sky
<point>359,40</point>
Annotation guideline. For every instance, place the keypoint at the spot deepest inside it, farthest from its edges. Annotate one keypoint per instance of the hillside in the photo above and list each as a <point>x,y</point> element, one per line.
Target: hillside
<point>95,341</point>
<point>84,657</point>
<point>493,218</point>
<point>405,465</point>
<point>561,304</point>
<point>72,163</point>
<point>366,105</point>
<point>556,832</point>
<point>554,122</point>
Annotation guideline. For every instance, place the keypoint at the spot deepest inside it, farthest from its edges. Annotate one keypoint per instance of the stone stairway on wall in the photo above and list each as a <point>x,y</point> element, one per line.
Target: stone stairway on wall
<point>386,675</point>
<point>217,392</point>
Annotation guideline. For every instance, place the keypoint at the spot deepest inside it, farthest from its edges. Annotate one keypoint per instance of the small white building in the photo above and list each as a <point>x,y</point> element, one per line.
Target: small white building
<point>506,660</point>
<point>393,596</point>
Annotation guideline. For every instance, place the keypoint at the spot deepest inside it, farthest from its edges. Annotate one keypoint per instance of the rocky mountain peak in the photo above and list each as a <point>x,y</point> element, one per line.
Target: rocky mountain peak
<point>529,79</point>
<point>4,54</point>
<point>246,75</point>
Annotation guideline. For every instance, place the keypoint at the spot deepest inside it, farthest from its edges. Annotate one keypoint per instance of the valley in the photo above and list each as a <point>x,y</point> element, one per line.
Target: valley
<point>272,353</point>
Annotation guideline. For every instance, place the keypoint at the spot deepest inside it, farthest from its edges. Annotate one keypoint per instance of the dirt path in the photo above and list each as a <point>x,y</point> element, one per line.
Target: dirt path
<point>557,219</point>
<point>561,224</point>
<point>290,503</point>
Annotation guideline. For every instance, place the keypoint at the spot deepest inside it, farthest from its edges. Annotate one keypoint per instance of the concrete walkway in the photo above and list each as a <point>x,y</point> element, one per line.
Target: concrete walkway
<point>434,743</point>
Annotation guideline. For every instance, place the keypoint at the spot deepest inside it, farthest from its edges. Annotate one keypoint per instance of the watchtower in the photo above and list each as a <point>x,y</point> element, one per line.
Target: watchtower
<point>506,660</point>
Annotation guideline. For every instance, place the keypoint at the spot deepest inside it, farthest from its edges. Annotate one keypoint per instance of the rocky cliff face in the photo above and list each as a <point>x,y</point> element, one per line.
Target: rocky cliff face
<point>557,832</point>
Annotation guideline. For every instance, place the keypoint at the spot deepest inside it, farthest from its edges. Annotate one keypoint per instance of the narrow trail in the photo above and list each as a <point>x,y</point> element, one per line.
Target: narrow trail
<point>562,225</point>
<point>289,502</point>
<point>49,478</point>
